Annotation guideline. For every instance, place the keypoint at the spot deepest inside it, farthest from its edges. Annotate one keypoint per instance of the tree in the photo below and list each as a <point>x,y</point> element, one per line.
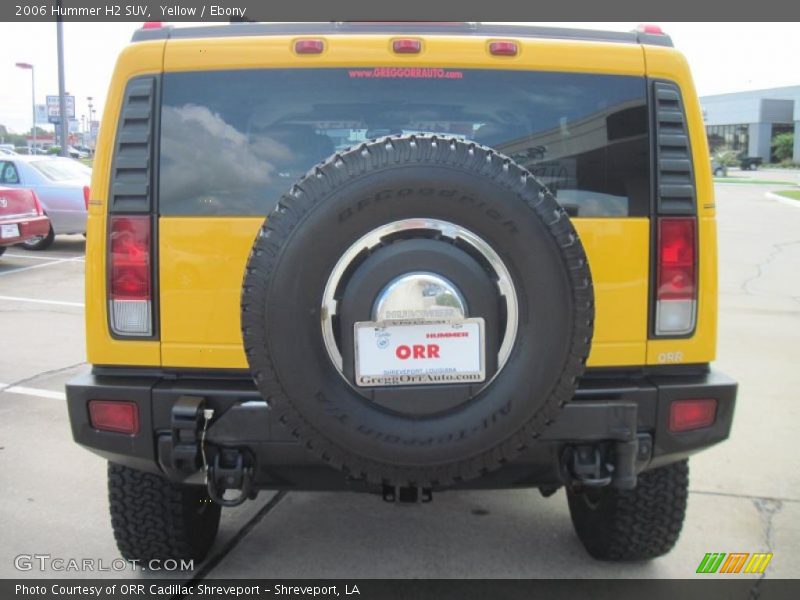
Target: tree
<point>783,146</point>
<point>723,158</point>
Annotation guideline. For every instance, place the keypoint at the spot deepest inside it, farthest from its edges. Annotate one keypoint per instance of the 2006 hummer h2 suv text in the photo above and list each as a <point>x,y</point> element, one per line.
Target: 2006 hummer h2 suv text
<point>400,259</point>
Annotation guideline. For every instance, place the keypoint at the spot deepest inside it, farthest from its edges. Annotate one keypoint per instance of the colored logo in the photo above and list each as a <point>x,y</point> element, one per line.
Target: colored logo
<point>735,562</point>
<point>382,339</point>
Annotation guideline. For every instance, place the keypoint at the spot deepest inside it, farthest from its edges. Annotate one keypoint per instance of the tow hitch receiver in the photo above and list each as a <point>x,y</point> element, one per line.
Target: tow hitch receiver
<point>186,423</point>
<point>407,494</point>
<point>229,471</point>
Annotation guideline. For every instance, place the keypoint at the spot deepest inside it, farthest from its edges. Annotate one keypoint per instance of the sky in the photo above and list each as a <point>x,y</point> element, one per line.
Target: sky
<point>725,57</point>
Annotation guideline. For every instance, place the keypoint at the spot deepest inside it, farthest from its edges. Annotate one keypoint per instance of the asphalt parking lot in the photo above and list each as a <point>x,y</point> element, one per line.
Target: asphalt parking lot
<point>745,493</point>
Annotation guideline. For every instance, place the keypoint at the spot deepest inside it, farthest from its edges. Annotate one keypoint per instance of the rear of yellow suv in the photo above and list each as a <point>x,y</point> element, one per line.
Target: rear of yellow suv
<point>400,259</point>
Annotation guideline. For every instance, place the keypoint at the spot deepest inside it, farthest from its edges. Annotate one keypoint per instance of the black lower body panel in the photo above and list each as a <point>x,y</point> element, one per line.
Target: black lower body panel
<point>622,411</point>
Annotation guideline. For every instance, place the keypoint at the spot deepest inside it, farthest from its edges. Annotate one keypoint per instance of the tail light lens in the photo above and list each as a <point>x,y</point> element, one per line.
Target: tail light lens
<point>676,285</point>
<point>116,416</point>
<point>129,276</point>
<point>86,196</point>
<point>37,204</point>
<point>686,415</point>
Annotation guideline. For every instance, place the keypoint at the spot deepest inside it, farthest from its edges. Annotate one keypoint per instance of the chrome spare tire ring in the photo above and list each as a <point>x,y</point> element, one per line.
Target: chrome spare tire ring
<point>442,229</point>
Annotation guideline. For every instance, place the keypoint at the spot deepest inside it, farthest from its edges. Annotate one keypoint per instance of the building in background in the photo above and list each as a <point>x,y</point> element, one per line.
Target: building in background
<point>748,121</point>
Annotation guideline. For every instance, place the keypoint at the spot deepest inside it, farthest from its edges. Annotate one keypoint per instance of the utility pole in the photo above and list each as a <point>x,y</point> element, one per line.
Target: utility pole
<point>62,101</point>
<point>29,66</point>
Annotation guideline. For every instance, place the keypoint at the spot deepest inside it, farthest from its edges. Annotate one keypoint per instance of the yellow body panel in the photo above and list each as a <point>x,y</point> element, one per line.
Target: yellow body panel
<point>201,280</point>
<point>101,347</point>
<point>375,51</point>
<point>668,63</point>
<point>202,259</point>
<point>202,264</point>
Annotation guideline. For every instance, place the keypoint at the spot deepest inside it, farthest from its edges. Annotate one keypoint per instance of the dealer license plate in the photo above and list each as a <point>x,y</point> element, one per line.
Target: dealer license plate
<point>9,231</point>
<point>419,353</point>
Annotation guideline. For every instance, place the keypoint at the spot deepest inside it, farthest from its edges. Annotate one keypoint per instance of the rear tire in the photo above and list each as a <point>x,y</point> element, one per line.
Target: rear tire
<point>2,250</point>
<point>638,524</point>
<point>40,242</point>
<point>153,518</point>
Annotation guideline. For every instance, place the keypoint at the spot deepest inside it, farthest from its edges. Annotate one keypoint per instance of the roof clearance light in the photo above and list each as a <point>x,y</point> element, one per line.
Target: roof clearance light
<point>503,48</point>
<point>152,25</point>
<point>652,29</point>
<point>309,46</point>
<point>407,46</point>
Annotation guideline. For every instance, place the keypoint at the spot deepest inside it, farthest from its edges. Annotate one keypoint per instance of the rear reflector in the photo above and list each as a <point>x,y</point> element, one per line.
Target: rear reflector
<point>86,196</point>
<point>503,48</point>
<point>116,416</point>
<point>407,46</point>
<point>676,285</point>
<point>129,278</point>
<point>685,415</point>
<point>309,46</point>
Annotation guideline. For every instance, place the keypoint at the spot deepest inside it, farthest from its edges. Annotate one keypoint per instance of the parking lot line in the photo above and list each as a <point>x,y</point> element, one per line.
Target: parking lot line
<point>37,301</point>
<point>47,264</point>
<point>35,257</point>
<point>26,391</point>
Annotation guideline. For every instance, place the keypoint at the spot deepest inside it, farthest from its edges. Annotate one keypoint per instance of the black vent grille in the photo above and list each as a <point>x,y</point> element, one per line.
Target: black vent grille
<point>131,170</point>
<point>675,176</point>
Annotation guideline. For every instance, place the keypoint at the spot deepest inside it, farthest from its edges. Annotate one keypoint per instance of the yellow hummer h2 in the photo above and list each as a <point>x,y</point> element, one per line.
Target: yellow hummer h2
<point>400,258</point>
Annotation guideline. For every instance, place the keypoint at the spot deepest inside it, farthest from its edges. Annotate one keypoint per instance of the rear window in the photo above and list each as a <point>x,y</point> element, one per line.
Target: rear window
<point>232,142</point>
<point>61,170</point>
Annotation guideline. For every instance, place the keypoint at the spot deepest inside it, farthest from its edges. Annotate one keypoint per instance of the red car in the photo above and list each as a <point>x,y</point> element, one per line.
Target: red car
<point>21,217</point>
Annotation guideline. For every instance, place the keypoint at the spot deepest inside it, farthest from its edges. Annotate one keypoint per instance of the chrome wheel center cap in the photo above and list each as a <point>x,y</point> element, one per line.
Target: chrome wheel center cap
<point>419,296</point>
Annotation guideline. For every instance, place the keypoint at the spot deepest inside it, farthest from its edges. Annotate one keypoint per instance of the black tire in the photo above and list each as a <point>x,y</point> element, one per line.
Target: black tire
<point>40,242</point>
<point>2,250</point>
<point>153,518</point>
<point>638,524</point>
<point>404,178</point>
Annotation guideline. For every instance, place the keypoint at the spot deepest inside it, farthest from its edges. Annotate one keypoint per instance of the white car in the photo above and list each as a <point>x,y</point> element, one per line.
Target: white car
<point>62,185</point>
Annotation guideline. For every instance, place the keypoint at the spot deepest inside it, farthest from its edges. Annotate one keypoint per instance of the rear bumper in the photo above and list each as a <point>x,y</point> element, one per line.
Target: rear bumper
<point>28,228</point>
<point>609,407</point>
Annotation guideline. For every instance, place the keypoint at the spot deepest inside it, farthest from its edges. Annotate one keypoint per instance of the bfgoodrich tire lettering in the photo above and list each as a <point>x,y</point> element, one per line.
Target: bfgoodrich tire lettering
<point>416,177</point>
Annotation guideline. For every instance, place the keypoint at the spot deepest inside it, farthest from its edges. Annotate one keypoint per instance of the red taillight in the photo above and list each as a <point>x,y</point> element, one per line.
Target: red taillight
<point>152,25</point>
<point>129,275</point>
<point>676,280</point>
<point>652,29</point>
<point>116,416</point>
<point>676,264</point>
<point>309,46</point>
<point>503,48</point>
<point>86,196</point>
<point>37,205</point>
<point>406,46</point>
<point>130,258</point>
<point>685,415</point>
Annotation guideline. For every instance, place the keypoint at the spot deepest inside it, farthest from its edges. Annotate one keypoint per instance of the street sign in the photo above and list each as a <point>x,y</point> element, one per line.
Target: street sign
<point>41,113</point>
<point>53,108</point>
<point>74,126</point>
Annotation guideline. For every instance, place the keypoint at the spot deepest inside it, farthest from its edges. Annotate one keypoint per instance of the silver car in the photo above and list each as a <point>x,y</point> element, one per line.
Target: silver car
<point>62,185</point>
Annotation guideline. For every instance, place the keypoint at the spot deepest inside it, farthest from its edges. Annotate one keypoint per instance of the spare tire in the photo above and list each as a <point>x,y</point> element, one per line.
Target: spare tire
<point>436,214</point>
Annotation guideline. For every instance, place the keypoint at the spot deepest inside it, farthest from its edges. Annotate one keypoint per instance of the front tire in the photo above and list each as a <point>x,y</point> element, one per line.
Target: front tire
<point>638,524</point>
<point>154,518</point>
